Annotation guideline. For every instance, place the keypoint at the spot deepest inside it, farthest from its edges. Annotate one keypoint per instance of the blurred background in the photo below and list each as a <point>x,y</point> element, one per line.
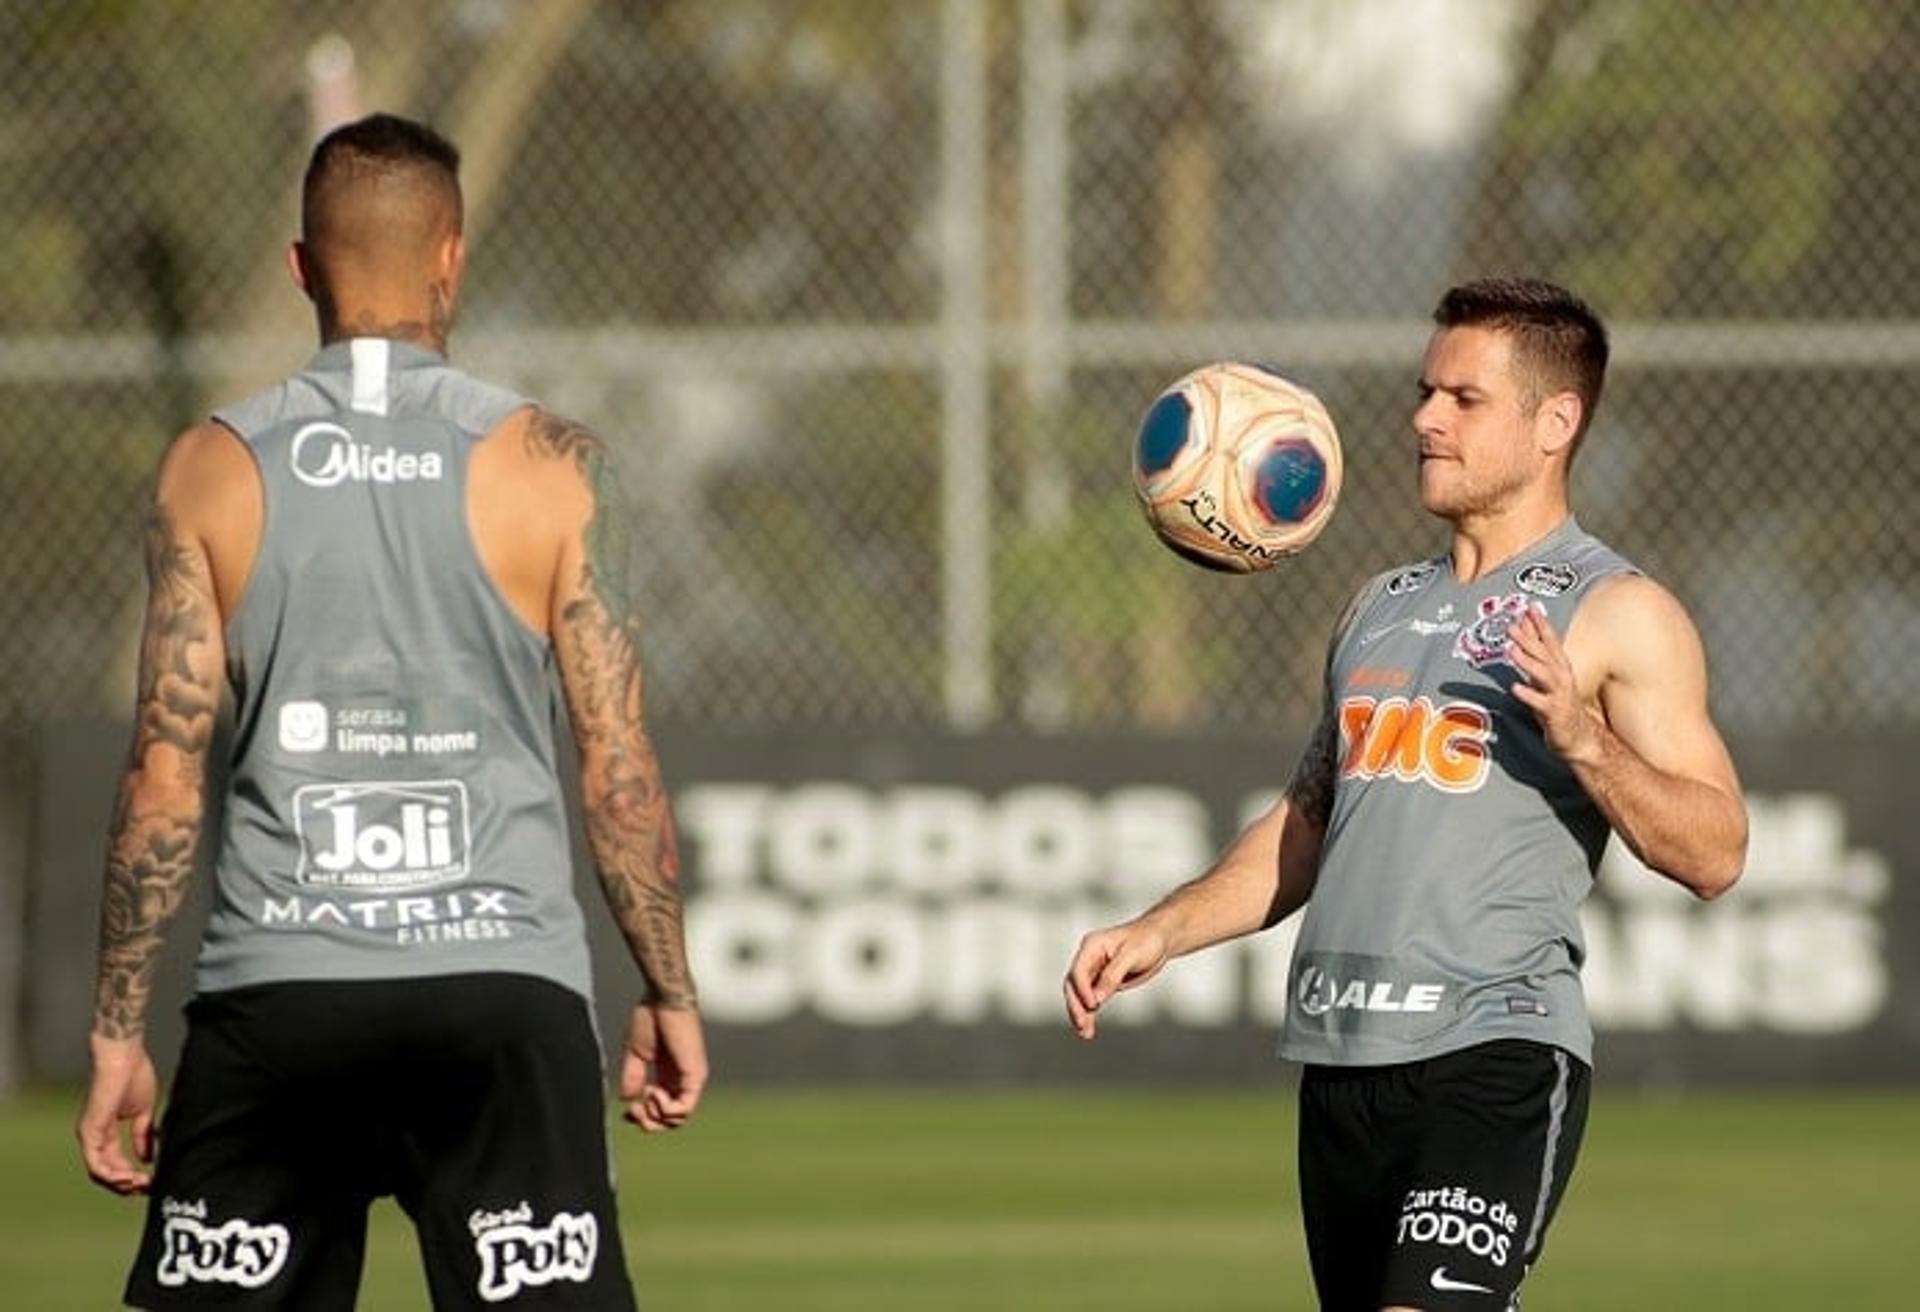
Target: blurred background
<point>872,291</point>
<point>869,295</point>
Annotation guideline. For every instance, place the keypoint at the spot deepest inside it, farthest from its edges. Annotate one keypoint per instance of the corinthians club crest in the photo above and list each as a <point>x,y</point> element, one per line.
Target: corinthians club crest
<point>1484,642</point>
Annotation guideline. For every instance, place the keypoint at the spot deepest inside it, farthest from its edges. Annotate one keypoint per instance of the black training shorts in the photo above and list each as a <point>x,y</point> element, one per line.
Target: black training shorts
<point>1430,1184</point>
<point>475,1100</point>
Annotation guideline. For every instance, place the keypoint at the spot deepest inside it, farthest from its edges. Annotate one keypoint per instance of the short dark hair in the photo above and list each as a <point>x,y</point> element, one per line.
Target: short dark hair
<point>1559,343</point>
<point>379,143</point>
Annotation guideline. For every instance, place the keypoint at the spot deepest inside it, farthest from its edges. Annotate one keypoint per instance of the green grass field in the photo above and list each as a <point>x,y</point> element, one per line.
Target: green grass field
<point>1114,1200</point>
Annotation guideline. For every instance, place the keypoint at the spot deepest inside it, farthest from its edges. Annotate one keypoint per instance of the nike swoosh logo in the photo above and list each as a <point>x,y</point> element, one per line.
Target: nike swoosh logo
<point>1439,1280</point>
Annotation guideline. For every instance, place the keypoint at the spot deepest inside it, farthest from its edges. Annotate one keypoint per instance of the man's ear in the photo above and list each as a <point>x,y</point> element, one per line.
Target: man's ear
<point>1557,421</point>
<point>453,258</point>
<point>299,266</point>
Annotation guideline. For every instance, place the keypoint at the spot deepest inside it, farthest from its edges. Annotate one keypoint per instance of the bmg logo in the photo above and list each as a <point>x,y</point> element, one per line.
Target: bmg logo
<point>412,834</point>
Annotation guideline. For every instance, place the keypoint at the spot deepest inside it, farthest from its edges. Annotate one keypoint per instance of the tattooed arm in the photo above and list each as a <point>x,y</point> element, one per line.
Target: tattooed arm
<point>629,824</point>
<point>155,833</point>
<point>1266,875</point>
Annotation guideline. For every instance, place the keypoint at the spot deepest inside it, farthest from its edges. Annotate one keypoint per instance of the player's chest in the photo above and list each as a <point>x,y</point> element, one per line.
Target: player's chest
<point>1423,685</point>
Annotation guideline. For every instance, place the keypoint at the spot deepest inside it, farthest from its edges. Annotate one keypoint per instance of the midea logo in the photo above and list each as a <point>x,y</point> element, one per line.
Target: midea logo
<point>325,455</point>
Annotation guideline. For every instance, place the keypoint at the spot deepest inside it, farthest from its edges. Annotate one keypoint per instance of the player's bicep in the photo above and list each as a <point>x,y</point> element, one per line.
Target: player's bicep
<point>182,646</point>
<point>1310,791</point>
<point>1655,693</point>
<point>592,620</point>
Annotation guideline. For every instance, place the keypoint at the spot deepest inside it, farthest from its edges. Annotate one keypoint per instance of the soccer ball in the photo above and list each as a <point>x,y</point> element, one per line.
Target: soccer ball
<point>1236,467</point>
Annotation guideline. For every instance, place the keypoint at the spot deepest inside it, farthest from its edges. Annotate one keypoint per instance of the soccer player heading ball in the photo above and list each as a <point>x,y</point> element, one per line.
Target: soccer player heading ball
<point>385,557</point>
<point>1490,714</point>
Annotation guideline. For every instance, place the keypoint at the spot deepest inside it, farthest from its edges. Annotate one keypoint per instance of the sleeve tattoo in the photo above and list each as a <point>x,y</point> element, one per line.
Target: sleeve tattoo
<point>155,833</point>
<point>629,823</point>
<point>1311,788</point>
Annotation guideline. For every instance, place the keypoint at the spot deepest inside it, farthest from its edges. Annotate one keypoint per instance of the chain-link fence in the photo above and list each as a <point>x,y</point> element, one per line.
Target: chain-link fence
<point>870,293</point>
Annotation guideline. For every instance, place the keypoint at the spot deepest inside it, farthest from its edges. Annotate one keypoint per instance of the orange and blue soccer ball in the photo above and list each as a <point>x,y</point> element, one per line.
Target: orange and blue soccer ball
<point>1236,467</point>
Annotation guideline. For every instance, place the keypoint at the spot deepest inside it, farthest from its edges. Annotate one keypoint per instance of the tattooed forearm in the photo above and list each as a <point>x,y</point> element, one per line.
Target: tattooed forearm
<point>629,823</point>
<point>1310,791</point>
<point>148,866</point>
<point>644,895</point>
<point>156,826</point>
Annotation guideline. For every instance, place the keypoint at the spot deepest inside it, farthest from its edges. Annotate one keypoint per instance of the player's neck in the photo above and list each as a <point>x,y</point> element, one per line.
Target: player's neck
<point>425,324</point>
<point>1485,542</point>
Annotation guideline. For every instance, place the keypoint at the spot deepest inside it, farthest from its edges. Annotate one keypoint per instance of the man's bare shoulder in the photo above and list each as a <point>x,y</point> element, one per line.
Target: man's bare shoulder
<point>207,475</point>
<point>1633,623</point>
<point>207,453</point>
<point>1634,600</point>
<point>546,454</point>
<point>553,437</point>
<point>1350,611</point>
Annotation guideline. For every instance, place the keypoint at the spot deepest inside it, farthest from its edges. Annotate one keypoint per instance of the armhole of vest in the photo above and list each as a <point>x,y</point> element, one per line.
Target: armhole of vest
<point>1363,601</point>
<point>1341,639</point>
<point>543,642</point>
<point>1625,569</point>
<point>247,589</point>
<point>1621,569</point>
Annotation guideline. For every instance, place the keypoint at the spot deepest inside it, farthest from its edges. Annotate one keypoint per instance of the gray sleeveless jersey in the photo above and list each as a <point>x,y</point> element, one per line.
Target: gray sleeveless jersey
<point>394,809</point>
<point>1460,848</point>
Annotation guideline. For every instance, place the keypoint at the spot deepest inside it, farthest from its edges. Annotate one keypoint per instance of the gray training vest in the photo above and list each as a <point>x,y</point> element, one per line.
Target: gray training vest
<point>394,809</point>
<point>1459,849</point>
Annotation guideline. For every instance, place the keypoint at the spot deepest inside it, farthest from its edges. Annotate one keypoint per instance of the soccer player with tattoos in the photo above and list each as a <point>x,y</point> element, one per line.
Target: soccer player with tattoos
<point>385,561</point>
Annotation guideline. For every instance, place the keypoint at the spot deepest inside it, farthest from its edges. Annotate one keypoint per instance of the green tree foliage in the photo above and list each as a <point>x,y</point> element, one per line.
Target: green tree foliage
<point>1667,160</point>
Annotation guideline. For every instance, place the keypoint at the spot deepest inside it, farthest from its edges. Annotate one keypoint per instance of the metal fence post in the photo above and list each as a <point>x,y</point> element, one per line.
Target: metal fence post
<point>966,518</point>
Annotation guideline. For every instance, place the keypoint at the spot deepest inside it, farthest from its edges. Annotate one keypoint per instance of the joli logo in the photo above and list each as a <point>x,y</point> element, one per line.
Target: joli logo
<point>382,835</point>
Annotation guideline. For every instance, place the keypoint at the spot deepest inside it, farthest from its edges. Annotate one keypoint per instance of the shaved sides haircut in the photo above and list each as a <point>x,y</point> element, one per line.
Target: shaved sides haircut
<point>1559,343</point>
<point>378,193</point>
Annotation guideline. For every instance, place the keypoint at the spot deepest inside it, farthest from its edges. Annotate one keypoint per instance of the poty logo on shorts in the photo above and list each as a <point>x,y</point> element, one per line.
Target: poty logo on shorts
<point>382,835</point>
<point>237,1252</point>
<point>326,455</point>
<point>515,1254</point>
